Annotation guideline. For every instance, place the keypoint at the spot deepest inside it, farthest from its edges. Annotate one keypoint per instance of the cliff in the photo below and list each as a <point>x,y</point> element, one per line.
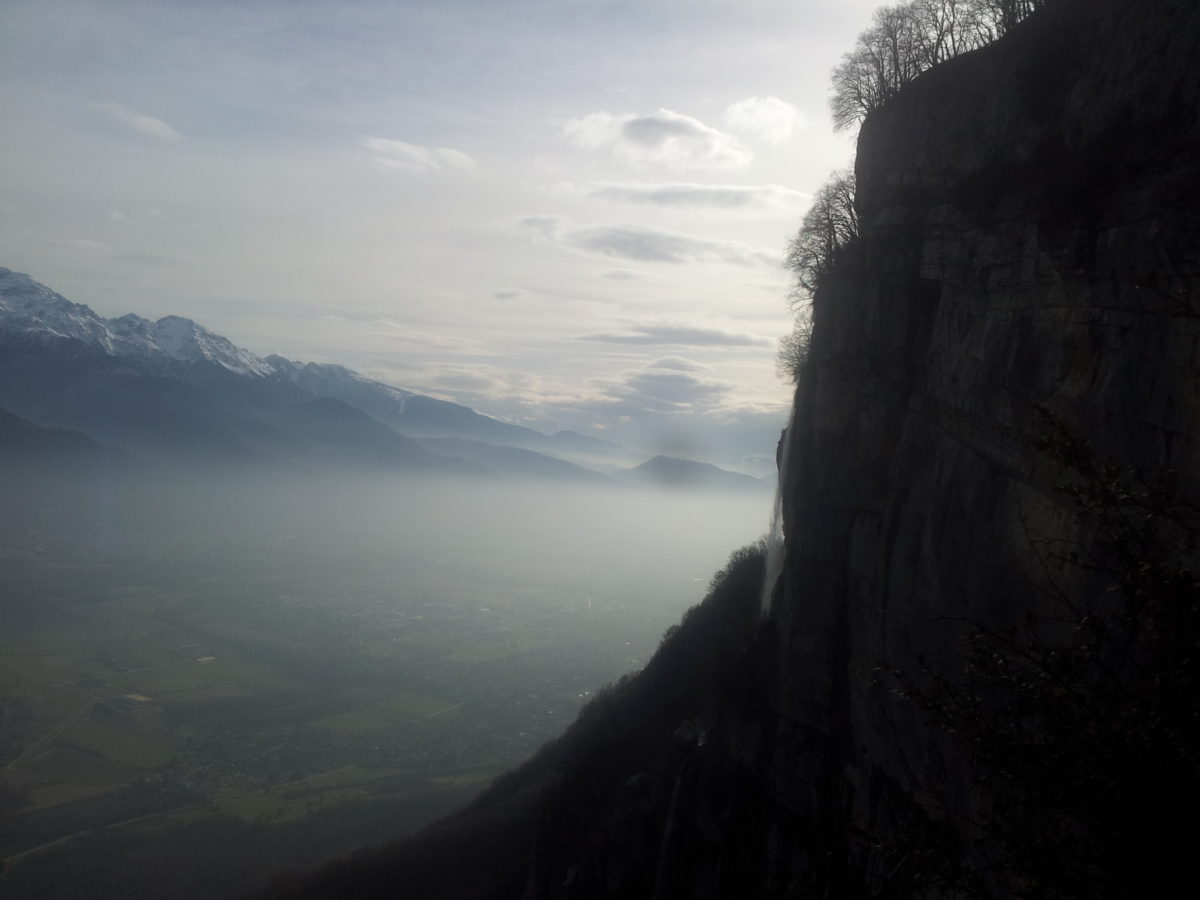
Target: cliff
<point>1026,285</point>
<point>1029,255</point>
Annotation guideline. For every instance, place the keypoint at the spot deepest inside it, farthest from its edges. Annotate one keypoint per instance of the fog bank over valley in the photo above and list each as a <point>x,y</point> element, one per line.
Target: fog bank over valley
<point>221,664</point>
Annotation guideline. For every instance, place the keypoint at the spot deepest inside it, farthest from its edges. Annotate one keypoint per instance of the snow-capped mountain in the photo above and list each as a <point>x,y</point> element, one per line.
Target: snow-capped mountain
<point>32,309</point>
<point>184,340</point>
<point>34,314</point>
<point>172,386</point>
<point>384,401</point>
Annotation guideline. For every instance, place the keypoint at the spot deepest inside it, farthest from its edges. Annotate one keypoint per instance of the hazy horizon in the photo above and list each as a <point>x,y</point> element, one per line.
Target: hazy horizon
<point>215,664</point>
<point>564,215</point>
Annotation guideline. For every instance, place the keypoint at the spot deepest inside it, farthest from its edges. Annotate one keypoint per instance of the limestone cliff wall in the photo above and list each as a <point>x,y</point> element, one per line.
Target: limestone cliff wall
<point>1031,239</point>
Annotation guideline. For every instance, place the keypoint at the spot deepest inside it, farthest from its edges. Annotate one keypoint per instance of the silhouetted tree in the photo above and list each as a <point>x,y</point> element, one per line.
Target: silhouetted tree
<point>884,60</point>
<point>793,351</point>
<point>829,226</point>
<point>946,29</point>
<point>1002,15</point>
<point>909,38</point>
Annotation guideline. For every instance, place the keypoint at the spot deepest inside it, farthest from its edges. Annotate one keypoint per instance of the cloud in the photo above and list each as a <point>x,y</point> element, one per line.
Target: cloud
<point>683,335</point>
<point>622,275</point>
<point>465,381</point>
<point>684,194</point>
<point>767,118</point>
<point>663,137</point>
<point>503,388</point>
<point>637,242</point>
<point>424,341</point>
<point>678,363</point>
<point>405,157</point>
<point>548,227</point>
<point>652,391</point>
<point>644,244</point>
<point>142,124</point>
<point>510,294</point>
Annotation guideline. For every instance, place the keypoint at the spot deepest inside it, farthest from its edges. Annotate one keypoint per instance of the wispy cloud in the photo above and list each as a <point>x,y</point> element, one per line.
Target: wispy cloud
<point>663,137</point>
<point>427,341</point>
<point>406,157</point>
<point>548,227</point>
<point>686,194</point>
<point>469,382</point>
<point>682,335</point>
<point>678,364</point>
<point>665,392</point>
<point>643,244</point>
<point>465,381</point>
<point>768,119</point>
<point>139,122</point>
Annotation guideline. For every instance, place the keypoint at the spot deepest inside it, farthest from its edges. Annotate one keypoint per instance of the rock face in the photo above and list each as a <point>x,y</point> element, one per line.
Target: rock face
<point>1030,254</point>
<point>1031,239</point>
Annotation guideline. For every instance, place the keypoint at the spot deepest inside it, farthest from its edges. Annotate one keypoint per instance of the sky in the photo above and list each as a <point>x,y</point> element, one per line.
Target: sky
<point>563,213</point>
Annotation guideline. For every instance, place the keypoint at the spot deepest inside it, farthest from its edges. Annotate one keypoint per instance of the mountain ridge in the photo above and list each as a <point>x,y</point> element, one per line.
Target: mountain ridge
<point>675,472</point>
<point>68,367</point>
<point>173,390</point>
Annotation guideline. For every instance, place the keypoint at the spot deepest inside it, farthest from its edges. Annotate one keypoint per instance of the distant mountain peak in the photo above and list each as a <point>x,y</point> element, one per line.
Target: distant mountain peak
<point>183,339</point>
<point>47,330</point>
<point>32,308</point>
<point>674,471</point>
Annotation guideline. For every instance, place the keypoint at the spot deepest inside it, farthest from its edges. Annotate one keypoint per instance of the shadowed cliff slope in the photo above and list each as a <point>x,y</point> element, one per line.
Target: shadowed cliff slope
<point>1029,266</point>
<point>1030,241</point>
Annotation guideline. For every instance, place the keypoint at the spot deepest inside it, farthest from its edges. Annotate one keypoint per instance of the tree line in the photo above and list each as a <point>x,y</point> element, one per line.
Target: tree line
<point>903,41</point>
<point>909,38</point>
<point>828,228</point>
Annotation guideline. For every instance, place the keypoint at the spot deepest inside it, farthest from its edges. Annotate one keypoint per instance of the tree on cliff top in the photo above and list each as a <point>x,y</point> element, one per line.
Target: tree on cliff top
<point>907,39</point>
